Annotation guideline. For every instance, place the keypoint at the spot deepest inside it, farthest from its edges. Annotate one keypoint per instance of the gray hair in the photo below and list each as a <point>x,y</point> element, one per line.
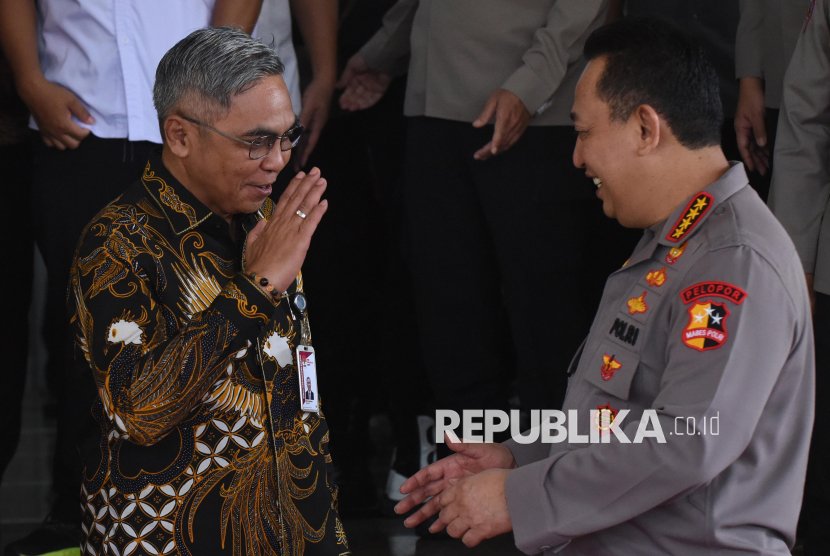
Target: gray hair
<point>208,68</point>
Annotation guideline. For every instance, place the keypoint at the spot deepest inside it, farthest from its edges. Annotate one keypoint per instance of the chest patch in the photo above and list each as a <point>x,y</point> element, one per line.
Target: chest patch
<point>707,326</point>
<point>625,331</point>
<point>656,277</point>
<point>675,253</point>
<point>609,366</point>
<point>605,417</point>
<point>637,304</point>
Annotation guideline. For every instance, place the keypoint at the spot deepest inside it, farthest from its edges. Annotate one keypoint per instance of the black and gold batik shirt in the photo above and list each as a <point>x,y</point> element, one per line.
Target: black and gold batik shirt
<point>195,443</point>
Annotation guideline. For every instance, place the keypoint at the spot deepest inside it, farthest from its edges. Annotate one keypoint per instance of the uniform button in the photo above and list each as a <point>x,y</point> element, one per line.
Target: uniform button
<point>125,40</point>
<point>719,210</point>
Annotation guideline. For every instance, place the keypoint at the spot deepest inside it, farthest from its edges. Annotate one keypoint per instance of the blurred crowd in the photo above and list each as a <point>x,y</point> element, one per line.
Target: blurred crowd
<point>464,254</point>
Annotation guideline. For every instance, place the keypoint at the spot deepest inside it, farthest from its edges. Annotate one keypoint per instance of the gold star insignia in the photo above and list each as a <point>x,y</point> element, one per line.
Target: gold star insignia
<point>701,203</point>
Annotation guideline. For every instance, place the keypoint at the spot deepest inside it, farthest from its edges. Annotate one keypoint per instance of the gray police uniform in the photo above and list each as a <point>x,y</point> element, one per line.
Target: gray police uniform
<point>767,33</point>
<point>801,181</point>
<point>799,198</point>
<point>709,320</point>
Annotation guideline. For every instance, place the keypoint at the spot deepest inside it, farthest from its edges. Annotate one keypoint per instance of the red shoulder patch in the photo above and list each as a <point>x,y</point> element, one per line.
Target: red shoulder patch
<point>695,210</point>
<point>716,289</point>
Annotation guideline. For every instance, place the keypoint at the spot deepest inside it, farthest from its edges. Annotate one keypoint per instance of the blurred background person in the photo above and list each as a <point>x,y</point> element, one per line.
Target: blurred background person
<point>85,71</point>
<point>497,216</point>
<point>317,22</point>
<point>750,39</point>
<point>799,194</point>
<point>362,155</point>
<point>766,37</point>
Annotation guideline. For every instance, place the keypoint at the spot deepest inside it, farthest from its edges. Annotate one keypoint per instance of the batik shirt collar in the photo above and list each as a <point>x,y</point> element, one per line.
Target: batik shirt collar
<point>182,209</point>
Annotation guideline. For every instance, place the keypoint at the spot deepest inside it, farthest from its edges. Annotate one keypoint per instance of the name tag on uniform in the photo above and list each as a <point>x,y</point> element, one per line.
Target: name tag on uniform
<point>306,364</point>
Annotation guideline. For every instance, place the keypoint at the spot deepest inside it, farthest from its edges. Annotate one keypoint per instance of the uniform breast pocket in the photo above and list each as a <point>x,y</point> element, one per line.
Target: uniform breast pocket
<point>612,369</point>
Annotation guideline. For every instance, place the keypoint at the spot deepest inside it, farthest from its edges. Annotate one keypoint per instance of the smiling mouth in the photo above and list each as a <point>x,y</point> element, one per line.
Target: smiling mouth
<point>598,182</point>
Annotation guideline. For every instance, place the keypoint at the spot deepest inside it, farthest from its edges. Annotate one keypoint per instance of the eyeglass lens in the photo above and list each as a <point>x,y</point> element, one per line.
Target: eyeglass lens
<point>261,146</point>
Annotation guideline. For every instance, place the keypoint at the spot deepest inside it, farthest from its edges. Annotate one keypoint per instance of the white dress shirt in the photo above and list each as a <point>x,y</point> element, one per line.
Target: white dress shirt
<point>274,28</point>
<point>106,52</point>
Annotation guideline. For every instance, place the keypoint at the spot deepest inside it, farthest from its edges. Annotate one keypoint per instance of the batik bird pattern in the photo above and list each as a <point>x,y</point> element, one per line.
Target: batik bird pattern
<point>196,443</point>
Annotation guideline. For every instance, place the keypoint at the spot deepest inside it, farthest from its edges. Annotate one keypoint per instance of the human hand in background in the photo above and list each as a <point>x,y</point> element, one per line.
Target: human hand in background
<point>749,125</point>
<point>52,107</point>
<point>315,114</point>
<point>512,118</point>
<point>363,86</point>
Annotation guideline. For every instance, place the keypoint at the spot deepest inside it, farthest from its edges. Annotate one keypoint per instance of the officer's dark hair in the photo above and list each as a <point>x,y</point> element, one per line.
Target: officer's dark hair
<point>648,61</point>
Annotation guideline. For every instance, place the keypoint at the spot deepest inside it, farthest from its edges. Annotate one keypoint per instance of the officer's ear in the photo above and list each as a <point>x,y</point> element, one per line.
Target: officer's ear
<point>648,122</point>
<point>178,136</point>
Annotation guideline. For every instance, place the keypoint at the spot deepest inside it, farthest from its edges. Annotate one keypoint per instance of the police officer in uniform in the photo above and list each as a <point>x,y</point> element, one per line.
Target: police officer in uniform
<point>701,353</point>
<point>766,37</point>
<point>798,197</point>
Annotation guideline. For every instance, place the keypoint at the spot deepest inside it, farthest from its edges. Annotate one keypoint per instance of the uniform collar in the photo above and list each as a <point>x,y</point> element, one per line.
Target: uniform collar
<point>712,195</point>
<point>182,209</point>
<point>690,216</point>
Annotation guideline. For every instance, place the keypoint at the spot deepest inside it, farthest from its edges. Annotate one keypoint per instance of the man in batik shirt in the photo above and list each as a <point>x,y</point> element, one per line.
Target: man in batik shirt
<point>184,303</point>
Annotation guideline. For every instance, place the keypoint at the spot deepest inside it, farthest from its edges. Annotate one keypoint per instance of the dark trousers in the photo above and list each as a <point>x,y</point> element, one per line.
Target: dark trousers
<point>815,511</point>
<point>70,187</point>
<point>17,247</point>
<point>498,252</point>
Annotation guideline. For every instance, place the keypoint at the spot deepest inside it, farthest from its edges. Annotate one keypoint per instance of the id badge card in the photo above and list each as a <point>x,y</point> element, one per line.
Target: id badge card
<point>307,366</point>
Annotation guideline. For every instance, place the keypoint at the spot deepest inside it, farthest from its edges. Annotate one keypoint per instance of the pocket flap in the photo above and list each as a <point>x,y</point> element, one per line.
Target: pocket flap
<point>612,369</point>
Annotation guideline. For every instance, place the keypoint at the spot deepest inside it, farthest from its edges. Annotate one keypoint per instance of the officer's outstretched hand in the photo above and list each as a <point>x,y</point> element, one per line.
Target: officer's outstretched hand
<point>435,479</point>
<point>474,508</point>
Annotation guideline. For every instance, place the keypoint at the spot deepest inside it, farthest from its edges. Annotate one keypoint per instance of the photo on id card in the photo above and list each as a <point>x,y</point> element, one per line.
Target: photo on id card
<point>308,379</point>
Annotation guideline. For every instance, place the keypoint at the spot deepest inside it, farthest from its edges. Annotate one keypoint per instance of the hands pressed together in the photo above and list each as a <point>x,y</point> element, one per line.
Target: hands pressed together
<point>466,489</point>
<point>277,247</point>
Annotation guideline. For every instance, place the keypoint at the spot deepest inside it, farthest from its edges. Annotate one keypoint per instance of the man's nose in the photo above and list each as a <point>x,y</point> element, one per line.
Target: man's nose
<point>577,158</point>
<point>275,160</point>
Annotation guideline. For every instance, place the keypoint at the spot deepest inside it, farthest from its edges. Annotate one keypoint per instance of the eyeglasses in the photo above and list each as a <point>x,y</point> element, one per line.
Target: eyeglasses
<point>261,146</point>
